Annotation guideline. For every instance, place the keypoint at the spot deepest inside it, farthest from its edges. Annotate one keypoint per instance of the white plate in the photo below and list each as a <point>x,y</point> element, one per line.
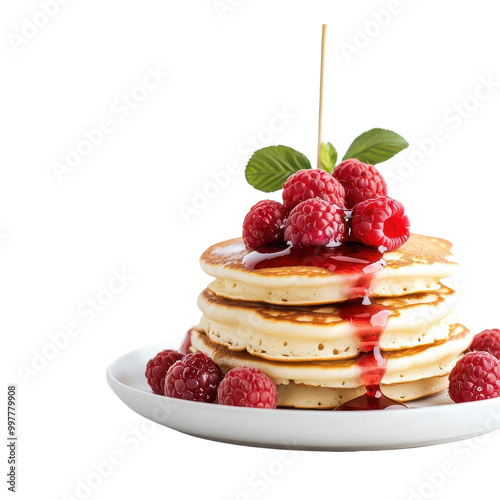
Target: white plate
<point>431,420</point>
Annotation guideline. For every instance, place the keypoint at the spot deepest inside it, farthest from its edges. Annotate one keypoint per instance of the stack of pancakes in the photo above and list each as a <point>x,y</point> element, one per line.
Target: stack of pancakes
<point>290,322</point>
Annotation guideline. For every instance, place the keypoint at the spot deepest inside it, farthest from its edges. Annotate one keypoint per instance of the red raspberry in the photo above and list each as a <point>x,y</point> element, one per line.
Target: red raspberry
<point>476,376</point>
<point>247,387</point>
<point>380,222</point>
<point>156,369</point>
<point>315,223</point>
<point>487,340</point>
<point>195,377</point>
<point>361,181</point>
<point>186,344</point>
<point>312,183</point>
<point>263,225</point>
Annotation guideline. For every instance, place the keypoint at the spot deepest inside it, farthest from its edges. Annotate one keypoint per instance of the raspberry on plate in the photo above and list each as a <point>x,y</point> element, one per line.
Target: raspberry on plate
<point>247,387</point>
<point>380,222</point>
<point>195,377</point>
<point>156,369</point>
<point>186,344</point>
<point>487,340</point>
<point>315,223</point>
<point>476,376</point>
<point>361,181</point>
<point>264,224</point>
<point>311,183</point>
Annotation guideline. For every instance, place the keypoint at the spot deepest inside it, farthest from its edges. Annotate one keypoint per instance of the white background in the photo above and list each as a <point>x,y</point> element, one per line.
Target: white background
<point>120,208</point>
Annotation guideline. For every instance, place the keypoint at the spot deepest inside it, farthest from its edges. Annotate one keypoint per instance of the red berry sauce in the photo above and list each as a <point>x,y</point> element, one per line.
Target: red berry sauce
<point>369,320</point>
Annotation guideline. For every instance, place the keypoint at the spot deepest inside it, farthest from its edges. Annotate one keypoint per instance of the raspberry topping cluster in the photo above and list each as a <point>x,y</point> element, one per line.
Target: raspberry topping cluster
<point>320,209</point>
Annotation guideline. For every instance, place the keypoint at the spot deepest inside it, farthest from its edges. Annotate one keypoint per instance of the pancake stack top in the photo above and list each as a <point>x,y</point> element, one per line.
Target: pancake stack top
<point>334,325</point>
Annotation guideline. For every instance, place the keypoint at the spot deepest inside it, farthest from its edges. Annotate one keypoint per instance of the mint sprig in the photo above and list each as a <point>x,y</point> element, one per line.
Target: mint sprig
<point>328,157</point>
<point>269,168</point>
<point>375,146</point>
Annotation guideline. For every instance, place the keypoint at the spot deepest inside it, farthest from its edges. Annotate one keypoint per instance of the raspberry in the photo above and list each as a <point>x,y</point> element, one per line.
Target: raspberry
<point>476,376</point>
<point>247,387</point>
<point>312,183</point>
<point>186,344</point>
<point>380,222</point>
<point>315,223</point>
<point>487,340</point>
<point>263,224</point>
<point>156,369</point>
<point>195,377</point>
<point>361,181</point>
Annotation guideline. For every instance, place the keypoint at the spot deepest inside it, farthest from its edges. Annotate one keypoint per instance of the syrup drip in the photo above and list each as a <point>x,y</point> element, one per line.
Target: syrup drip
<point>369,320</point>
<point>350,258</point>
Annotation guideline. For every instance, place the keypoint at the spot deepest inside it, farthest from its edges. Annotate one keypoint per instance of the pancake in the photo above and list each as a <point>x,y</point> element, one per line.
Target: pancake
<point>300,396</point>
<point>411,373</point>
<point>417,266</point>
<point>319,332</point>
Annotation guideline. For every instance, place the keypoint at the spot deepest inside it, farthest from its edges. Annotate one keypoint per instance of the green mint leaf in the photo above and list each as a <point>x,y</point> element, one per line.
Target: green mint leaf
<point>328,157</point>
<point>269,168</point>
<point>375,146</point>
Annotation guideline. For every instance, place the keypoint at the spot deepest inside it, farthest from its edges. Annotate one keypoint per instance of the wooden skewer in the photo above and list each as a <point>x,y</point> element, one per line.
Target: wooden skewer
<point>320,123</point>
